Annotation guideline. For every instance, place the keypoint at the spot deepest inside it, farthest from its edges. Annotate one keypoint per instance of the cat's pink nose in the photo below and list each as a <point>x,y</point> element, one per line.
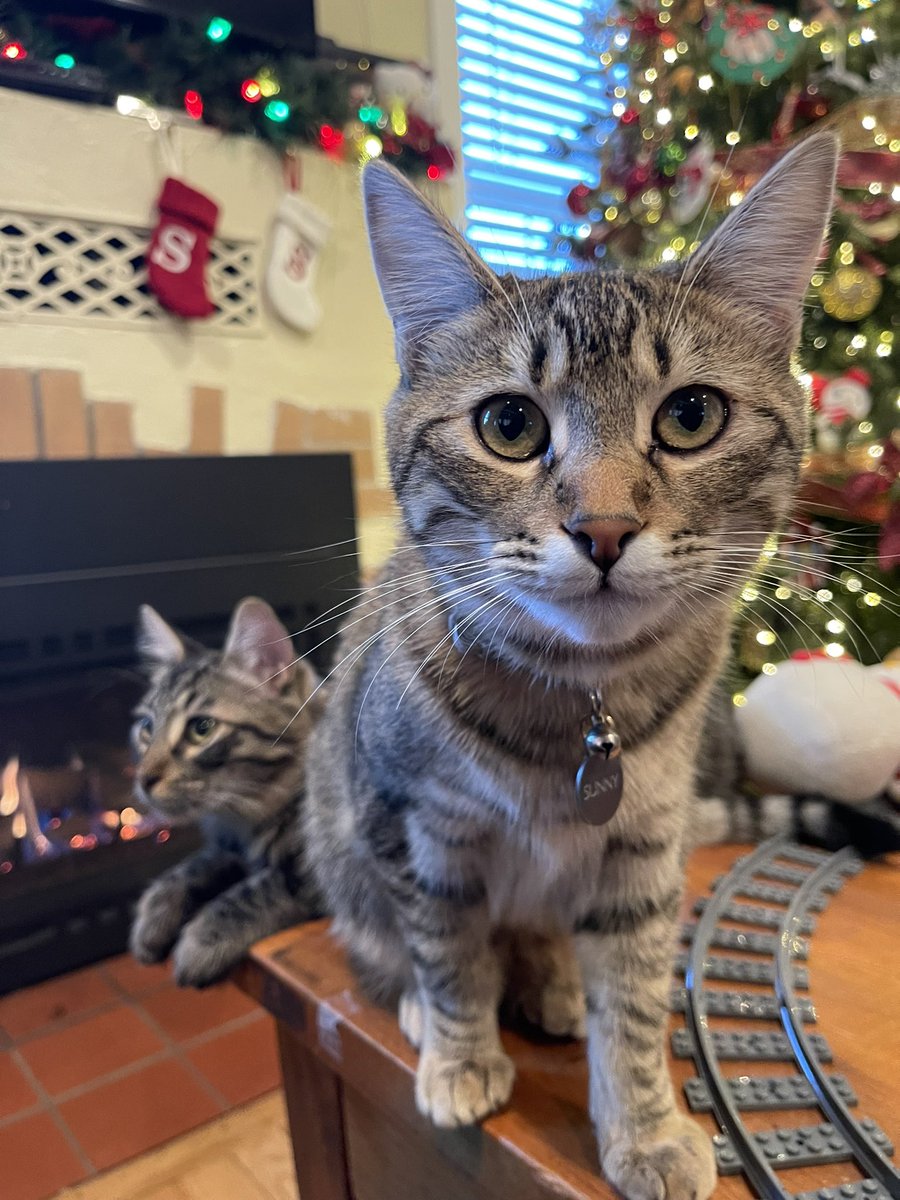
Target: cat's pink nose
<point>603,539</point>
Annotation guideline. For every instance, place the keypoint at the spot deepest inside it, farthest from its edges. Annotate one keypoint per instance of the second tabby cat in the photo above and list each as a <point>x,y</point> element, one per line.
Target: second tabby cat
<point>217,744</point>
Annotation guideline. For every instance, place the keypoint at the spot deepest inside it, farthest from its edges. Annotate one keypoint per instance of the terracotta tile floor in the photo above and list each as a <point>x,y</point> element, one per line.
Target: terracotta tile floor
<point>103,1064</point>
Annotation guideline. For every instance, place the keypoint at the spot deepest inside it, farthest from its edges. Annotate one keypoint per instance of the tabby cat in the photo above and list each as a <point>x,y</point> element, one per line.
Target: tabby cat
<point>587,467</point>
<point>216,744</point>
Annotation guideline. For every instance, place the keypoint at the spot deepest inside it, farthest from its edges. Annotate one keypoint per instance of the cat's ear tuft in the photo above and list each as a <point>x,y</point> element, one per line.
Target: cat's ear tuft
<point>260,646</point>
<point>763,253</point>
<point>157,641</point>
<point>427,272</point>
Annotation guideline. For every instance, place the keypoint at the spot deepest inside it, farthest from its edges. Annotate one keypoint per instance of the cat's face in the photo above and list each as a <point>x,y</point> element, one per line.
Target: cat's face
<point>594,453</point>
<point>212,734</point>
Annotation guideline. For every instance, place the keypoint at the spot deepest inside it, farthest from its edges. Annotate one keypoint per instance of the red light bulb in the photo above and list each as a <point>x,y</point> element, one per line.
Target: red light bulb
<point>193,105</point>
<point>14,51</point>
<point>251,91</point>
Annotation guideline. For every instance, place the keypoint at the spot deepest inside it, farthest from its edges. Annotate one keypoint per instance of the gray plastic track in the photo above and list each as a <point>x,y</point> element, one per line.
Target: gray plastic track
<point>740,970</point>
<point>745,939</point>
<point>754,1006</point>
<point>799,1146</point>
<point>766,1093</point>
<point>857,1189</point>
<point>867,1142</point>
<point>754,914</point>
<point>758,1046</point>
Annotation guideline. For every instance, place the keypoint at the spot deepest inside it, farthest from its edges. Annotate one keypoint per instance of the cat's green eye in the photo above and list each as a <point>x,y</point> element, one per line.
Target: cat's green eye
<point>690,418</point>
<point>200,729</point>
<point>513,427</point>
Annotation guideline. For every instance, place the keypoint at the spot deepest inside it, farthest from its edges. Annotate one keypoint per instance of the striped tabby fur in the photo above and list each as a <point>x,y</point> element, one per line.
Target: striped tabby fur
<point>216,744</point>
<point>440,822</point>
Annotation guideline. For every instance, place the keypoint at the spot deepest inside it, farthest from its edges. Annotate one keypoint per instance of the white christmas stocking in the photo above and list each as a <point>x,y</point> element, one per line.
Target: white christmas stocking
<point>299,232</point>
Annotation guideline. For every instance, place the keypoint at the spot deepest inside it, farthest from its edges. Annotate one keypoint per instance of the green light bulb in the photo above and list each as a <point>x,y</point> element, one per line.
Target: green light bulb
<point>277,110</point>
<point>218,29</point>
<point>65,61</point>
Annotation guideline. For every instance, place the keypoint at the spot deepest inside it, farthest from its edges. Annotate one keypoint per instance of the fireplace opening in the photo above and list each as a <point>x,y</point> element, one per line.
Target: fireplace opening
<point>82,545</point>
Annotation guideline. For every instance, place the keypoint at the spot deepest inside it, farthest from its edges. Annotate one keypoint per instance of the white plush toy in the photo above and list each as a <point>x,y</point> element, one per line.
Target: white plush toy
<point>825,726</point>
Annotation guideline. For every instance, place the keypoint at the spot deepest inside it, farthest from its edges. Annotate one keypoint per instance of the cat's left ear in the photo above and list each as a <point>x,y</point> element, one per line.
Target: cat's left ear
<point>157,641</point>
<point>427,272</point>
<point>763,253</point>
<point>260,646</point>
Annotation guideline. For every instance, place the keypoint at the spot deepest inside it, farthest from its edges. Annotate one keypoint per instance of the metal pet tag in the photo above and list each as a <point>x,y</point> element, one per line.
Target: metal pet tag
<point>599,782</point>
<point>598,788</point>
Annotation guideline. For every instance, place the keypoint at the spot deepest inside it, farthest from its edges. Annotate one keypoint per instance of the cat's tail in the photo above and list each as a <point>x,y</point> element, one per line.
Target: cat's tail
<point>872,829</point>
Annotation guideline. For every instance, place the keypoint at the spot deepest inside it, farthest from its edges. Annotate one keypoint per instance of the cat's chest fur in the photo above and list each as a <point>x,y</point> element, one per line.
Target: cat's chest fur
<point>539,878</point>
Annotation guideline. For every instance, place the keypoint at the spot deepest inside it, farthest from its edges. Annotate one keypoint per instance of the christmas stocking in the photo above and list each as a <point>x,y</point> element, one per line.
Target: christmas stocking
<point>299,233</point>
<point>180,248</point>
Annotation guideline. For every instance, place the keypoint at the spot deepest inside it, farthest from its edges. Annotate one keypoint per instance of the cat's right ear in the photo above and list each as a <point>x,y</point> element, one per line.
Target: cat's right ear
<point>157,641</point>
<point>427,272</point>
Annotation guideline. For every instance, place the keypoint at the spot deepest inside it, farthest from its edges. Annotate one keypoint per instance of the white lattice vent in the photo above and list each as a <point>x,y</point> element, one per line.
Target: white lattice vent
<point>70,269</point>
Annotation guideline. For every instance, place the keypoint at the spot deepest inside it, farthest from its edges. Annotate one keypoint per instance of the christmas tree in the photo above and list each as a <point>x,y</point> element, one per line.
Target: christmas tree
<point>705,96</point>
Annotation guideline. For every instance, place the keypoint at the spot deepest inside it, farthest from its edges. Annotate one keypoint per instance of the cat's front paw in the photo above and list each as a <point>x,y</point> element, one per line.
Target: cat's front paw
<point>411,1018</point>
<point>456,1092</point>
<point>200,961</point>
<point>676,1164</point>
<point>557,1007</point>
<point>155,926</point>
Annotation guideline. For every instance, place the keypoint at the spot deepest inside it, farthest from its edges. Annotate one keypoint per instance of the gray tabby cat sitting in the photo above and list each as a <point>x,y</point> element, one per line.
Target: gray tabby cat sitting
<point>587,468</point>
<point>216,744</point>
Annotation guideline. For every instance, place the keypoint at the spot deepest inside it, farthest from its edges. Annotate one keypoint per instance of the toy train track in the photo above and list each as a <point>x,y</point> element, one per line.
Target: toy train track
<point>800,881</point>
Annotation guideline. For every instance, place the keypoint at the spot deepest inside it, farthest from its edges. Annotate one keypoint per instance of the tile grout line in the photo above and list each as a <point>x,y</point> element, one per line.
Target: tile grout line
<point>32,1110</point>
<point>232,1026</point>
<point>54,1113</point>
<point>120,1073</point>
<point>213,1092</point>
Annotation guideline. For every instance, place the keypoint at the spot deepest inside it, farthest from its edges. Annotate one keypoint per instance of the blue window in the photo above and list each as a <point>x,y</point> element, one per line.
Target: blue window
<point>529,84</point>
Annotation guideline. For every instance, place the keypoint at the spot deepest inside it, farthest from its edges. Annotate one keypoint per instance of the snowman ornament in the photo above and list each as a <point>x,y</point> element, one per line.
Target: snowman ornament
<point>834,401</point>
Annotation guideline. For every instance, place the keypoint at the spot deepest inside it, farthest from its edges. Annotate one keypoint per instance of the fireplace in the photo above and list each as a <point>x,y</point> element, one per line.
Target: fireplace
<point>82,544</point>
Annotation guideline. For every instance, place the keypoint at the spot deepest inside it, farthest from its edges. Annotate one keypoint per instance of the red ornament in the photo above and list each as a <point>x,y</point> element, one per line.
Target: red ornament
<point>578,199</point>
<point>251,91</point>
<point>331,140</point>
<point>636,180</point>
<point>441,158</point>
<point>193,105</point>
<point>889,542</point>
<point>629,116</point>
<point>811,104</point>
<point>14,51</point>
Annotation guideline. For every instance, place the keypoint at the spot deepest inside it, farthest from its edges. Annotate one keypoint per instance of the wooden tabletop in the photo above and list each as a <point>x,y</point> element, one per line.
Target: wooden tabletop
<point>543,1145</point>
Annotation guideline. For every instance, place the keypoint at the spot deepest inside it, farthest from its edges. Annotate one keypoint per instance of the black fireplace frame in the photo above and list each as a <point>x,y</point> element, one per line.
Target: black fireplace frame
<point>82,545</point>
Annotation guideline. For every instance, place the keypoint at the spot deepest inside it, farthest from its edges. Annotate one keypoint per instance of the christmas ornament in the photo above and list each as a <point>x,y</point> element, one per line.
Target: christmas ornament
<point>837,400</point>
<point>845,398</point>
<point>693,181</point>
<point>179,249</point>
<point>578,200</point>
<point>851,293</point>
<point>299,232</point>
<point>751,42</point>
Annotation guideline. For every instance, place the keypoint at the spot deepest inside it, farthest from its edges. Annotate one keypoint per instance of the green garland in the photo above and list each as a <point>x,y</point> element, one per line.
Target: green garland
<point>178,65</point>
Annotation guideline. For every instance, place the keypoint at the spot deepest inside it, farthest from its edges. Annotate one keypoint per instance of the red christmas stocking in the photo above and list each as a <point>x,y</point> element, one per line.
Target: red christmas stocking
<point>180,248</point>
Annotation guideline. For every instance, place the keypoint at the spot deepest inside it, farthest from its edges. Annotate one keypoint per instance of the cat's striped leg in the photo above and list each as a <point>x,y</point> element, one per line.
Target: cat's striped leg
<point>220,935</point>
<point>648,1149</point>
<point>463,1072</point>
<point>174,897</point>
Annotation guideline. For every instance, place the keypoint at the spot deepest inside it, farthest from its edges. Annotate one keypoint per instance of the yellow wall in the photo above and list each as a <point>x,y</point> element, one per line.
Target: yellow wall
<point>79,160</point>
